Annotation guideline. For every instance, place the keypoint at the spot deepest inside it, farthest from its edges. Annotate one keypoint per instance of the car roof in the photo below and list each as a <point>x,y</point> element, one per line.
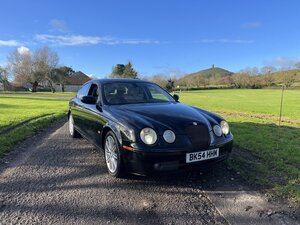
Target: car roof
<point>117,80</point>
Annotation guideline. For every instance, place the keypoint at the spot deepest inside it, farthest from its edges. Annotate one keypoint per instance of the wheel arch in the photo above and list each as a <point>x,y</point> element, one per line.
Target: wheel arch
<point>113,128</point>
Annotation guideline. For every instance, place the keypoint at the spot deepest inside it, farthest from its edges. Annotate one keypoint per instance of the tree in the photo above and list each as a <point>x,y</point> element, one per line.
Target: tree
<point>199,81</point>
<point>170,84</point>
<point>123,71</point>
<point>117,71</point>
<point>129,72</point>
<point>4,78</point>
<point>268,70</point>
<point>159,80</point>
<point>44,63</point>
<point>62,75</point>
<point>250,71</point>
<point>20,66</point>
<point>33,69</point>
<point>289,79</point>
<point>240,80</point>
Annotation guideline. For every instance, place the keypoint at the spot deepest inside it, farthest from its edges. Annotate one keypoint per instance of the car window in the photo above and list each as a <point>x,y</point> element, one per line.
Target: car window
<point>83,91</point>
<point>133,93</point>
<point>157,93</point>
<point>94,90</point>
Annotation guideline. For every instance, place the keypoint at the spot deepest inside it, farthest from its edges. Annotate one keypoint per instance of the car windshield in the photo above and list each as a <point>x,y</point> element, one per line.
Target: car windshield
<point>118,93</point>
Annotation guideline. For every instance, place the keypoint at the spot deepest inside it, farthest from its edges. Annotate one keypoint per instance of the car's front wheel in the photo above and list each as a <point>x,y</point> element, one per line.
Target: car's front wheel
<point>113,156</point>
<point>74,133</point>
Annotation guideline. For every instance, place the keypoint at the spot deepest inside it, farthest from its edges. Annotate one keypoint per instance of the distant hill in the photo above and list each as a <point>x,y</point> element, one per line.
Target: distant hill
<point>214,72</point>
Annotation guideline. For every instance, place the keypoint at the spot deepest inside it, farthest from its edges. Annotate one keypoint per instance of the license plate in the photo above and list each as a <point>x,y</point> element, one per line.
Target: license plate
<point>203,155</point>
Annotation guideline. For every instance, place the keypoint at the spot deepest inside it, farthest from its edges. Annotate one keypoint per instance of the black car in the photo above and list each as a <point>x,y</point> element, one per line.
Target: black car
<point>143,129</point>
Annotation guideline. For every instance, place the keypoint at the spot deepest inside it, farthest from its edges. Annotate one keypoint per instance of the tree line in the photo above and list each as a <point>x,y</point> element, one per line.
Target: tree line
<point>40,67</point>
<point>268,76</point>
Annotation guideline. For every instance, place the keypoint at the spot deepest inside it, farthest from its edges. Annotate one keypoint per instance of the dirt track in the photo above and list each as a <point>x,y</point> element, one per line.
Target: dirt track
<point>52,179</point>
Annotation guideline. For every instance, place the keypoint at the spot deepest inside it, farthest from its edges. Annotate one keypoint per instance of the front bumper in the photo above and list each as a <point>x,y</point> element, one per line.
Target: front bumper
<point>162,161</point>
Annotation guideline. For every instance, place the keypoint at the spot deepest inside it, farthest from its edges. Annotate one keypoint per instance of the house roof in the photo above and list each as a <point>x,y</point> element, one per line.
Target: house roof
<point>78,78</point>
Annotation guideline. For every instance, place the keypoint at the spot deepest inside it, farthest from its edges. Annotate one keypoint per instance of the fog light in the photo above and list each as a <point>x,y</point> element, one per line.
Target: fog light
<point>217,130</point>
<point>169,136</point>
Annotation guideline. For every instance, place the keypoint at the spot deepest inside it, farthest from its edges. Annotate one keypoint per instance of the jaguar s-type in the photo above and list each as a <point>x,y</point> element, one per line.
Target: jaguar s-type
<point>142,129</point>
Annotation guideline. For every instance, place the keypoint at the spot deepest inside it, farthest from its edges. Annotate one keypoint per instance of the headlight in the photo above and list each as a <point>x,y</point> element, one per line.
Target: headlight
<point>225,127</point>
<point>129,133</point>
<point>169,136</point>
<point>148,136</point>
<point>217,130</point>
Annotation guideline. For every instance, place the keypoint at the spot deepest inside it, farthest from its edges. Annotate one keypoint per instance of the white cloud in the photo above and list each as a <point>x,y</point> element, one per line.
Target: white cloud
<point>166,72</point>
<point>70,40</point>
<point>283,62</point>
<point>9,43</point>
<point>58,25</point>
<point>226,41</point>
<point>251,25</point>
<point>23,50</point>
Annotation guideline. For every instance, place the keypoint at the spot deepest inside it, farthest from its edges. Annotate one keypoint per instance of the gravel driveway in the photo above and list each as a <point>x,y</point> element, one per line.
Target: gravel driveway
<point>52,179</point>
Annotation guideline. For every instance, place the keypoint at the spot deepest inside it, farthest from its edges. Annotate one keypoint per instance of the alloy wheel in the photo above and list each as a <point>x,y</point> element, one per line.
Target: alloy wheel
<point>111,155</point>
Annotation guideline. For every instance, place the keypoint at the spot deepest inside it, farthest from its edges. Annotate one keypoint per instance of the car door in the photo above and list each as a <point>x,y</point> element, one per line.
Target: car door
<point>79,109</point>
<point>95,119</point>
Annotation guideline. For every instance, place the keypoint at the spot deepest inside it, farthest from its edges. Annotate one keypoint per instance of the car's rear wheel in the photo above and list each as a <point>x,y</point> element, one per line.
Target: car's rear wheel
<point>113,156</point>
<point>74,133</point>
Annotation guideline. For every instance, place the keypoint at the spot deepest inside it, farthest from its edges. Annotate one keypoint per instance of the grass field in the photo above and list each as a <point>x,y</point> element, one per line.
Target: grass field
<point>22,116</point>
<point>265,154</point>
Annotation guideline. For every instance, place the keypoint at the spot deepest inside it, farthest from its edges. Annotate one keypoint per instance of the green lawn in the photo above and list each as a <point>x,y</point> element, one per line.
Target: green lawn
<point>260,101</point>
<point>265,154</point>
<point>50,94</point>
<point>22,116</point>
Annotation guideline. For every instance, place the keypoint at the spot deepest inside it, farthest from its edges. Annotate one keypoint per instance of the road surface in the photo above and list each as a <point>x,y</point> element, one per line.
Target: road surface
<point>53,179</point>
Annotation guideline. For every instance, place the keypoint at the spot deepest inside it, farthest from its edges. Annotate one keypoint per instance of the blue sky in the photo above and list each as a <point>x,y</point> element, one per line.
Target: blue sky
<point>158,36</point>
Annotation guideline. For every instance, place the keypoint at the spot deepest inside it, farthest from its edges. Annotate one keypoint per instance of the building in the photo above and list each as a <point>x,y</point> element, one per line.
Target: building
<point>74,82</point>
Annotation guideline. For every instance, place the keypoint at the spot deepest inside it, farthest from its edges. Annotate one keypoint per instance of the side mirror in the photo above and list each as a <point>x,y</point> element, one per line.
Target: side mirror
<point>99,107</point>
<point>176,97</point>
<point>89,99</point>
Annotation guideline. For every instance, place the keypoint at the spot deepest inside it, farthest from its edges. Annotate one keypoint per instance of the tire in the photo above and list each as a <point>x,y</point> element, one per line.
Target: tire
<point>113,157</point>
<point>73,133</point>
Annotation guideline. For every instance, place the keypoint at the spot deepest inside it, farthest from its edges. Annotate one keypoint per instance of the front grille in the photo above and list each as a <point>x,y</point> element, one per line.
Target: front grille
<point>198,135</point>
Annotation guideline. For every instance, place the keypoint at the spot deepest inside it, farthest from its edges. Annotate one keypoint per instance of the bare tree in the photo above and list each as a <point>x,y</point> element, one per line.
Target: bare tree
<point>159,80</point>
<point>4,78</point>
<point>33,68</point>
<point>199,81</point>
<point>268,70</point>
<point>251,71</point>
<point>44,62</point>
<point>289,79</point>
<point>20,66</point>
<point>241,80</point>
